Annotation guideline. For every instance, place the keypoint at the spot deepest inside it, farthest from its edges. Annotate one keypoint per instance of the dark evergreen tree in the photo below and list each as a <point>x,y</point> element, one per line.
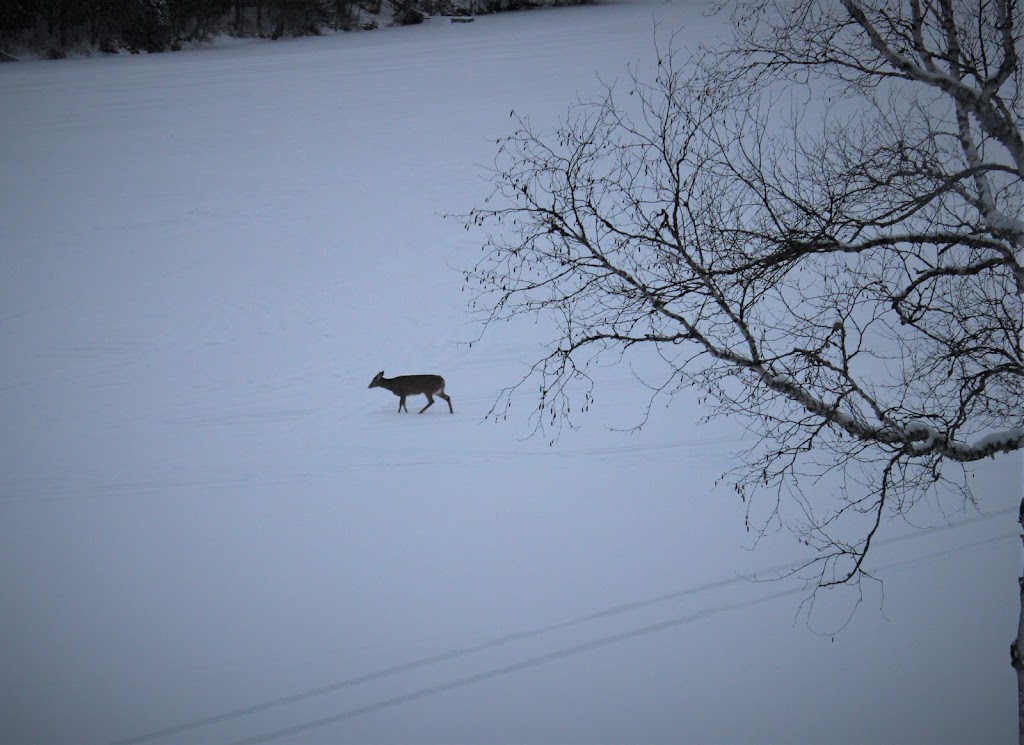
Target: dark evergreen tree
<point>298,17</point>
<point>146,25</point>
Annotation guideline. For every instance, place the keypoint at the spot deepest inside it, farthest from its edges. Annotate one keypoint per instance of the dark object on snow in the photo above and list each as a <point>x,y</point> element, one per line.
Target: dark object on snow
<point>413,385</point>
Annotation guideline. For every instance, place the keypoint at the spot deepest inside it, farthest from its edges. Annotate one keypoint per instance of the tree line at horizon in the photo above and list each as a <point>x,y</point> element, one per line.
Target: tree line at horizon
<point>54,27</point>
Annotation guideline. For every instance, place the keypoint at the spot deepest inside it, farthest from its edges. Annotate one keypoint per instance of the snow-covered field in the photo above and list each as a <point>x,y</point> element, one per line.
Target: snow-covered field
<point>212,532</point>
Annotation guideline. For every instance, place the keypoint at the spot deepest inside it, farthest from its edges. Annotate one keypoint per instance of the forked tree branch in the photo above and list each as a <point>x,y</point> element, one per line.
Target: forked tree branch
<point>851,285</point>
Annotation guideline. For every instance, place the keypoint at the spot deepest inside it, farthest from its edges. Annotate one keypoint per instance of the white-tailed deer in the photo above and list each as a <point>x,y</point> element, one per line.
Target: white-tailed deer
<point>413,385</point>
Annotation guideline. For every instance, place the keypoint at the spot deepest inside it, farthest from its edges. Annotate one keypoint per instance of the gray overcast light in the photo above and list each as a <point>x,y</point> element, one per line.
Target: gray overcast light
<point>212,531</point>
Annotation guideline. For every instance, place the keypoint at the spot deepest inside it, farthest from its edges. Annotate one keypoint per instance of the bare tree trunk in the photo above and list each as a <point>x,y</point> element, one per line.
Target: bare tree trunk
<point>1017,649</point>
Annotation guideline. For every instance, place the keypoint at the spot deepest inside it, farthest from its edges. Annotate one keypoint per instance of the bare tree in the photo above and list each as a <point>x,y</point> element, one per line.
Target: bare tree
<point>820,226</point>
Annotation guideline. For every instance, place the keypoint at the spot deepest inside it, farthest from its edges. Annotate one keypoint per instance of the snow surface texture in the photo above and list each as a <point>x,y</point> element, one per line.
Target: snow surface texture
<point>212,531</point>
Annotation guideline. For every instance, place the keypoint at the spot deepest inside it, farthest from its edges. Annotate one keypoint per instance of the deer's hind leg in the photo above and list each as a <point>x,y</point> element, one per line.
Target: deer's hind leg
<point>430,402</point>
<point>445,396</point>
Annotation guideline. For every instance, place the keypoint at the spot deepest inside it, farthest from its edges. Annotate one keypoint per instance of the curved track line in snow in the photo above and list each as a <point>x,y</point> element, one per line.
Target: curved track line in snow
<point>520,636</point>
<point>572,651</point>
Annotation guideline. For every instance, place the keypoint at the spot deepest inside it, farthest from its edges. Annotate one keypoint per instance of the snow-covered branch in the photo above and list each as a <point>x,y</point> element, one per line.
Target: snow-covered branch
<point>852,286</point>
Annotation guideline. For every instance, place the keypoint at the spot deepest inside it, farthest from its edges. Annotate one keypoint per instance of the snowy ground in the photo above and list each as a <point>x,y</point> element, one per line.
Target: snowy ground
<point>211,531</point>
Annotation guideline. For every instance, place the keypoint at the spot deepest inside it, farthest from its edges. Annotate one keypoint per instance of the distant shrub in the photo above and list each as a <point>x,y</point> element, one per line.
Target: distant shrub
<point>147,25</point>
<point>408,16</point>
